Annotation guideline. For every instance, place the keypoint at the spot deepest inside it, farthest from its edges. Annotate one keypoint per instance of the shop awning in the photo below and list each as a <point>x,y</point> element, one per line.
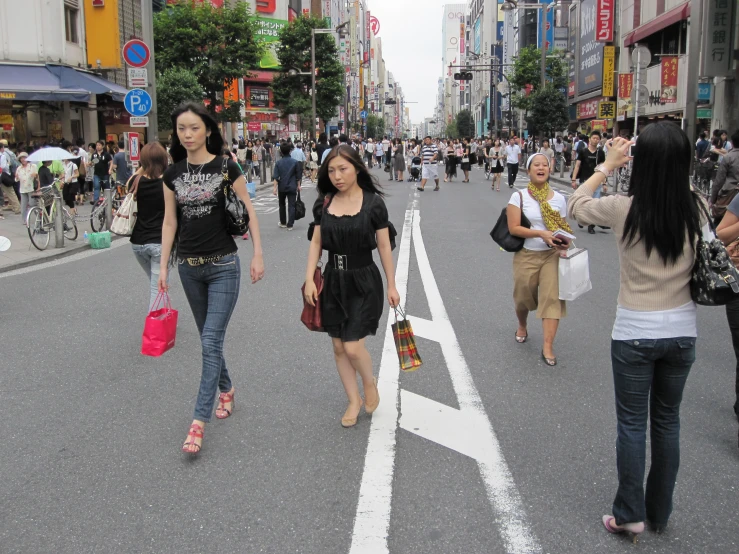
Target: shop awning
<point>36,83</point>
<point>657,24</point>
<point>70,77</point>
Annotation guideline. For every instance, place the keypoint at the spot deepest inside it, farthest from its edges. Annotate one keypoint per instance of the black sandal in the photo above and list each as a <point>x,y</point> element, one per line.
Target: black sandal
<point>521,340</point>
<point>551,362</point>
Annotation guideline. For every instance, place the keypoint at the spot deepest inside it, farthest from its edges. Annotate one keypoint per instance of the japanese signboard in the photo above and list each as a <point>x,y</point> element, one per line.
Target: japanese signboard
<point>669,79</point>
<point>572,48</point>
<point>258,97</point>
<point>625,86</point>
<point>478,36</point>
<point>609,68</point>
<point>606,110</point>
<point>599,125</point>
<point>588,109</point>
<point>367,17</point>
<point>718,41</point>
<point>269,34</point>
<point>604,21</point>
<point>590,63</point>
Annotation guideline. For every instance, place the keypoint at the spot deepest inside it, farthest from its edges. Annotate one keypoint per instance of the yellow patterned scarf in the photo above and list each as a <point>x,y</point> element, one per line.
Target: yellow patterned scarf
<point>552,218</point>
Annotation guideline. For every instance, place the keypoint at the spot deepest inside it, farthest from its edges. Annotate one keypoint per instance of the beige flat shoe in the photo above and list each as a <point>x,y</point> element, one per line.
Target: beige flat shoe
<point>347,422</point>
<point>370,408</point>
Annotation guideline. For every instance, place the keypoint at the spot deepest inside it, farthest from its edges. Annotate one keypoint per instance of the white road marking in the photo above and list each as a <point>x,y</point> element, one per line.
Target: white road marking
<point>61,261</point>
<point>467,430</point>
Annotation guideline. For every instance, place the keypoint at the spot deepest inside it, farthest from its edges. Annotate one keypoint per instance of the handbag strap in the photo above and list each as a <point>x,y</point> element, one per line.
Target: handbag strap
<point>135,187</point>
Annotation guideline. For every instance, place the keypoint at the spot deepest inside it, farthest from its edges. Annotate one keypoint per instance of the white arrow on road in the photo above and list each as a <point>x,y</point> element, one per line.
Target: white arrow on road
<point>467,430</point>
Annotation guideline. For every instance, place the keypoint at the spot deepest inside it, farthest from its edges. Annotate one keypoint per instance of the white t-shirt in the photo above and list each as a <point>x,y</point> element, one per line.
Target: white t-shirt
<point>69,170</point>
<point>532,211</point>
<point>379,149</point>
<point>513,154</point>
<point>559,147</point>
<point>385,145</point>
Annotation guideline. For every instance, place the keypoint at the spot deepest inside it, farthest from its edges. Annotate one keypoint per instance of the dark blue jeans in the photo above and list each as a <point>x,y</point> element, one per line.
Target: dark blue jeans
<point>212,290</point>
<point>649,377</point>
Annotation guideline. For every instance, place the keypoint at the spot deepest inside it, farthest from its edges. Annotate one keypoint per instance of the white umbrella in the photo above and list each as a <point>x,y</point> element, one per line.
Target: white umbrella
<point>50,154</point>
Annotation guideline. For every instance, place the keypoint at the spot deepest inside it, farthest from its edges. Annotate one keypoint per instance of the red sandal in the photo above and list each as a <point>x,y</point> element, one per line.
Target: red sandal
<point>225,398</point>
<point>196,432</point>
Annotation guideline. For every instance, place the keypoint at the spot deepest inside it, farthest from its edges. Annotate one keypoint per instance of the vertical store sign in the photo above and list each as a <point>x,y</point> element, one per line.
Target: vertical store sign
<point>609,68</point>
<point>573,48</point>
<point>478,36</point>
<point>625,86</point>
<point>367,16</point>
<point>590,67</point>
<point>669,79</point>
<point>546,32</point>
<point>604,21</point>
<point>718,40</point>
<point>102,34</point>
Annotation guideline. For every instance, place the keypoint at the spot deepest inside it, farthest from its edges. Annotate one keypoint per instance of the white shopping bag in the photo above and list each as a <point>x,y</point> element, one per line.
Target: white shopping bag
<point>574,274</point>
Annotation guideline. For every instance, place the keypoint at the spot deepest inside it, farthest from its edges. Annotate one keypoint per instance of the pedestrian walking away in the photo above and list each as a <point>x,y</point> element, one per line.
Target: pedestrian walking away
<point>146,238</point>
<point>195,235</point>
<point>653,338</point>
<point>513,155</point>
<point>286,184</point>
<point>536,266</point>
<point>399,163</point>
<point>429,157</point>
<point>350,221</point>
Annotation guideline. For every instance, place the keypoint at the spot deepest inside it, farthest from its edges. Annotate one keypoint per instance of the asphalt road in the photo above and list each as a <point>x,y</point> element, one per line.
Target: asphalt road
<point>90,445</point>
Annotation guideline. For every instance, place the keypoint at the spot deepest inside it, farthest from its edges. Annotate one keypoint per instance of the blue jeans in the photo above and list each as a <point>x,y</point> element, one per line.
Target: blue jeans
<point>149,256</point>
<point>212,290</point>
<point>96,183</point>
<point>649,376</point>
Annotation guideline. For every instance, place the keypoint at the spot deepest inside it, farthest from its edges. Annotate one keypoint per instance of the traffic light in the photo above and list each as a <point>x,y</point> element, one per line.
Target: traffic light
<point>463,76</point>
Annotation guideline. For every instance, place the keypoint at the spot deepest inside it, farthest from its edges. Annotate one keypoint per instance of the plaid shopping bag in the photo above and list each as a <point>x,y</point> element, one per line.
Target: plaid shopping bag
<point>405,343</point>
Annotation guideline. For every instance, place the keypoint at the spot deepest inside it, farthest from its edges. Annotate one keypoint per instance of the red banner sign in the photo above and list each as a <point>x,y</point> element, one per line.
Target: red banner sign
<point>588,109</point>
<point>604,21</point>
<point>669,79</point>
<point>367,19</point>
<point>625,84</point>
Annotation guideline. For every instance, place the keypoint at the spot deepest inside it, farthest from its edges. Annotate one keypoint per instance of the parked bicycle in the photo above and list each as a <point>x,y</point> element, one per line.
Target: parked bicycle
<point>97,215</point>
<point>41,218</point>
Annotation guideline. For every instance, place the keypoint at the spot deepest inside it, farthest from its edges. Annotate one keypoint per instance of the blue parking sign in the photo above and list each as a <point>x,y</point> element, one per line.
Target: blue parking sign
<point>363,114</point>
<point>137,102</point>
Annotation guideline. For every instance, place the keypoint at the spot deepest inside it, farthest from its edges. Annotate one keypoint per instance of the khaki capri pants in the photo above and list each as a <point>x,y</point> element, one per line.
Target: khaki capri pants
<point>536,283</point>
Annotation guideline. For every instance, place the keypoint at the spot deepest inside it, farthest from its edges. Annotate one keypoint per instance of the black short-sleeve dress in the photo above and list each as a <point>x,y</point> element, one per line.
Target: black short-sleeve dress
<point>352,299</point>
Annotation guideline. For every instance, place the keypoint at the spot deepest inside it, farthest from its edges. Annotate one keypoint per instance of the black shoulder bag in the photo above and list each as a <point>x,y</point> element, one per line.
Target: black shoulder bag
<point>715,281</point>
<point>503,237</point>
<point>237,218</point>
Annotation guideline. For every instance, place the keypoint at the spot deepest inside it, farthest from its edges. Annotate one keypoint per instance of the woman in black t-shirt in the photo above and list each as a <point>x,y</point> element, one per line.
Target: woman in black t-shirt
<point>208,263</point>
<point>146,239</point>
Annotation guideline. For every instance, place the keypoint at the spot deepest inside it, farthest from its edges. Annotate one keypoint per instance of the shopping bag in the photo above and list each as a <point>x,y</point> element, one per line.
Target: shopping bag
<point>125,218</point>
<point>299,208</point>
<point>160,327</point>
<point>405,343</point>
<point>574,274</point>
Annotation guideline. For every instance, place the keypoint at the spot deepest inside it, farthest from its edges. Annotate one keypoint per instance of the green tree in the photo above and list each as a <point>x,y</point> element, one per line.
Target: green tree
<point>527,71</point>
<point>175,86</point>
<point>217,45</point>
<point>549,112</point>
<point>451,130</point>
<point>292,92</point>
<point>375,126</point>
<point>465,124</point>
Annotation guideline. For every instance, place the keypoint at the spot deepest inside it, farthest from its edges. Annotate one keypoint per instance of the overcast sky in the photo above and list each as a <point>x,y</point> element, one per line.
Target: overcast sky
<point>411,46</point>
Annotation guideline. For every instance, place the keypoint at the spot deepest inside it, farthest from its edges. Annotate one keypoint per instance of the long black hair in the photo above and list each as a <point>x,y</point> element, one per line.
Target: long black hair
<point>663,207</point>
<point>364,179</point>
<point>214,144</point>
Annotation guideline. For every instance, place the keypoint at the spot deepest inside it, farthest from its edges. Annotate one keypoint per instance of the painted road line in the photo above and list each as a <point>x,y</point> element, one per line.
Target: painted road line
<point>372,522</point>
<point>501,490</point>
<point>61,261</point>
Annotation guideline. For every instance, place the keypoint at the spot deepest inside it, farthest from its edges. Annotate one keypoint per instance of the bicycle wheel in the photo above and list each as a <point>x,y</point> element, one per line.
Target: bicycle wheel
<point>38,227</point>
<point>97,217</point>
<point>70,226</point>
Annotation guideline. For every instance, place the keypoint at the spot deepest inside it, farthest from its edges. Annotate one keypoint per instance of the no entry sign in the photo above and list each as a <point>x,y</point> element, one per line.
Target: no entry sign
<point>136,53</point>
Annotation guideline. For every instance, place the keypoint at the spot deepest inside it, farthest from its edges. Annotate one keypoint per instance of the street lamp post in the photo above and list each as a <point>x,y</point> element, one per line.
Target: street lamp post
<point>313,33</point>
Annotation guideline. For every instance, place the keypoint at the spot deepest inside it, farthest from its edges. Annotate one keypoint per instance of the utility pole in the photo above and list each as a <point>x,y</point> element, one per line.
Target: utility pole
<point>313,81</point>
<point>147,30</point>
<point>493,115</point>
<point>694,41</point>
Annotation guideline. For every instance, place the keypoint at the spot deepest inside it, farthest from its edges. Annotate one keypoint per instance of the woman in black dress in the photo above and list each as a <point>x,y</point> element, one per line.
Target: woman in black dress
<point>466,164</point>
<point>350,221</point>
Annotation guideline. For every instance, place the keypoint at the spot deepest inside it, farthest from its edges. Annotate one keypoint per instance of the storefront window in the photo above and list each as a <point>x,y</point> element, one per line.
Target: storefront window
<point>71,17</point>
<point>670,41</point>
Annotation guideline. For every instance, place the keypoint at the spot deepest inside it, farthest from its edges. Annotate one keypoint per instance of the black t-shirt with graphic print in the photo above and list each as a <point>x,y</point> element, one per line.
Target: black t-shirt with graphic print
<point>101,162</point>
<point>201,212</point>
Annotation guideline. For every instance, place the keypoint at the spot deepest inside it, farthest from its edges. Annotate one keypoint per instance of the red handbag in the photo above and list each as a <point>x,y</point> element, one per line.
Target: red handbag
<point>311,316</point>
<point>160,328</point>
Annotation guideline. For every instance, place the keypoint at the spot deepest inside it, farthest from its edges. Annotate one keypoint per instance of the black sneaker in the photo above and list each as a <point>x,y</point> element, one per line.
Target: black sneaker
<point>419,188</point>
<point>591,229</point>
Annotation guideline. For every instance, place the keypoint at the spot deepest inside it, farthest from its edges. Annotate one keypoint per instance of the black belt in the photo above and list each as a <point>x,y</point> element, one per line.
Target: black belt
<point>344,262</point>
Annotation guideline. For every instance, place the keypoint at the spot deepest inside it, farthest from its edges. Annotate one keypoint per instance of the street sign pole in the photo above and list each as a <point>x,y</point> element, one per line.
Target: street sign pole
<point>147,28</point>
<point>638,93</point>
